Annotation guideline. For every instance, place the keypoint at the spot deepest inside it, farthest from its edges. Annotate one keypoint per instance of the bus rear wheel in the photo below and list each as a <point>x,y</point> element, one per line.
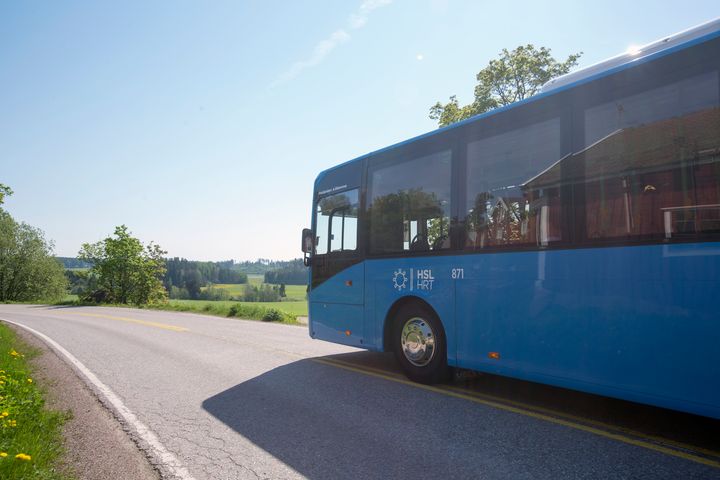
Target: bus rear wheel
<point>419,345</point>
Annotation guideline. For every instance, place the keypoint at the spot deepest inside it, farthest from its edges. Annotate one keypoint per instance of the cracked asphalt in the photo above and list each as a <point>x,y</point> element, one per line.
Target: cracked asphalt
<point>234,399</point>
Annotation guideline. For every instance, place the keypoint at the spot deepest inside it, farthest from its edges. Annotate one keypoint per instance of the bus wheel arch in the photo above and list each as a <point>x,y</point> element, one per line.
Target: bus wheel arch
<point>415,333</point>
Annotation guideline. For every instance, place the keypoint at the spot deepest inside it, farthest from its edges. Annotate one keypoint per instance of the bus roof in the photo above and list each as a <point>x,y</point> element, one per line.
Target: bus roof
<point>651,51</point>
<point>635,53</point>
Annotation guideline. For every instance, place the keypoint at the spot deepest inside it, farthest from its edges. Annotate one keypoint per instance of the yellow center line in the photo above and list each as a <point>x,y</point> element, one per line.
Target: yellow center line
<point>527,413</point>
<point>567,416</point>
<point>164,326</point>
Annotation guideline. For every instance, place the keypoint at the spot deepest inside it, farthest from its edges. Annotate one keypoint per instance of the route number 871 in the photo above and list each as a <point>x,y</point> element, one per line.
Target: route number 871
<point>457,273</point>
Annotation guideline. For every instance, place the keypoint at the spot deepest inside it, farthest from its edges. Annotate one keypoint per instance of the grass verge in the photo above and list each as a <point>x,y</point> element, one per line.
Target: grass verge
<point>30,435</point>
<point>280,312</point>
<point>250,310</point>
<point>285,311</point>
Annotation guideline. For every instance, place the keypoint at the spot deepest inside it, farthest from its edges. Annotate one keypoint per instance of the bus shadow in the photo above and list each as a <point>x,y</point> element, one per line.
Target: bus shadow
<point>564,403</point>
<point>597,410</point>
<point>310,418</point>
<point>326,424</point>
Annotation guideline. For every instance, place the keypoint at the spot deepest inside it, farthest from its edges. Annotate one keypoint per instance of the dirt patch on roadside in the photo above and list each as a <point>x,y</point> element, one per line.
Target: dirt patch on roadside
<point>97,446</point>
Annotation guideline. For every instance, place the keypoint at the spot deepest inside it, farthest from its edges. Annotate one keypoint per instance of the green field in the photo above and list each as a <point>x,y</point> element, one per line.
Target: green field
<point>295,293</point>
<point>296,309</point>
<point>292,306</point>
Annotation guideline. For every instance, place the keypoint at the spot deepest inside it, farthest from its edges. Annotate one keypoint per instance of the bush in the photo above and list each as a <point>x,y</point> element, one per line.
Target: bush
<point>179,292</point>
<point>214,294</point>
<point>273,315</point>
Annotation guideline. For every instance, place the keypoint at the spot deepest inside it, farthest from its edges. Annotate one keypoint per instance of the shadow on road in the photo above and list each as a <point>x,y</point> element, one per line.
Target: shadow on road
<point>326,422</point>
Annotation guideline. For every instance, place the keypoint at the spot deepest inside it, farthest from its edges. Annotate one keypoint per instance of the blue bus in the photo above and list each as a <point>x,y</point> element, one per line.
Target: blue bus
<point>572,238</point>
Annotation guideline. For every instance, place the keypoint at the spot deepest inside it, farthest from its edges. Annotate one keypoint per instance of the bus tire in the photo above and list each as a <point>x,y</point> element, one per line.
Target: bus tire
<point>419,344</point>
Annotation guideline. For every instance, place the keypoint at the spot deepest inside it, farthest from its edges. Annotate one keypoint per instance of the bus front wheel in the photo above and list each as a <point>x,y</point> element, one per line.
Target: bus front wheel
<point>419,344</point>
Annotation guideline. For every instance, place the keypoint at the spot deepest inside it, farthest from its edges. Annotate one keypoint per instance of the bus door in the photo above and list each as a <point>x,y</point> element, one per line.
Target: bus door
<point>336,292</point>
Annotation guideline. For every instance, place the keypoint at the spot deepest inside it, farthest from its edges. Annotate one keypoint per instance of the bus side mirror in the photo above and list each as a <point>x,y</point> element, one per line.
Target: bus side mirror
<point>307,245</point>
<point>307,241</point>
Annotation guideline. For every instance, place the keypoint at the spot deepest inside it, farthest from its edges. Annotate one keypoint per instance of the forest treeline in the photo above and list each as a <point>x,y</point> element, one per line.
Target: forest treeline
<point>292,273</point>
<point>186,278</point>
<point>194,280</point>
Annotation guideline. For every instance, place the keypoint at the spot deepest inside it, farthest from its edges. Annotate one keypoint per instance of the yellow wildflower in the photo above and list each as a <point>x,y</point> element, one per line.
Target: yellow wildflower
<point>4,414</point>
<point>29,380</point>
<point>22,456</point>
<point>3,454</point>
<point>14,353</point>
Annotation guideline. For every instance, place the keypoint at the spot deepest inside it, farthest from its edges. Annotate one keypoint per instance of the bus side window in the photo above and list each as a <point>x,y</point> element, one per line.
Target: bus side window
<point>513,188</point>
<point>410,205</point>
<point>651,167</point>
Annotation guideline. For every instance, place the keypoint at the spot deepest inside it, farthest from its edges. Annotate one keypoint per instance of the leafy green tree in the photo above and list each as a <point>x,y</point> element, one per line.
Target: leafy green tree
<point>5,191</point>
<point>193,282</point>
<point>214,294</point>
<point>126,271</point>
<point>28,271</point>
<point>250,293</point>
<point>516,75</point>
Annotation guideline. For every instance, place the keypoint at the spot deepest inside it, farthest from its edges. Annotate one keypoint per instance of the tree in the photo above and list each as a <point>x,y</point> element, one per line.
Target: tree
<point>192,280</point>
<point>126,271</point>
<point>28,271</point>
<point>516,75</point>
<point>5,191</point>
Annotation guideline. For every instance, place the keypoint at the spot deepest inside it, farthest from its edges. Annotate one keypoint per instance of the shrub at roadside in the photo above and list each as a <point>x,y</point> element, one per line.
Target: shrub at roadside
<point>273,315</point>
<point>30,435</point>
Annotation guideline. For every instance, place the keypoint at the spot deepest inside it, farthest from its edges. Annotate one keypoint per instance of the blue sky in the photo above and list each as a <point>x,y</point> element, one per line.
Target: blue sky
<point>201,125</point>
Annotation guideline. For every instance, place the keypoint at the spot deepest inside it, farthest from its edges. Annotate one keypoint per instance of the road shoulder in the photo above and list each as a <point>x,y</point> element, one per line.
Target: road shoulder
<point>97,446</point>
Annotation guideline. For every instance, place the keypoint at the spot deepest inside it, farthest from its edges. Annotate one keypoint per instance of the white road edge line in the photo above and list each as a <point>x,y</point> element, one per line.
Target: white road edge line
<point>168,464</point>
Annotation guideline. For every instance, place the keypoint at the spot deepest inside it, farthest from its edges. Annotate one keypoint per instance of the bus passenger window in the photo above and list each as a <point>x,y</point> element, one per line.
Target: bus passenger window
<point>513,194</point>
<point>651,164</point>
<point>410,205</point>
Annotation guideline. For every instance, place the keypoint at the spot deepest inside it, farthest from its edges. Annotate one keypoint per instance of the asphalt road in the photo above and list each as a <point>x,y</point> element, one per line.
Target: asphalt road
<point>239,399</point>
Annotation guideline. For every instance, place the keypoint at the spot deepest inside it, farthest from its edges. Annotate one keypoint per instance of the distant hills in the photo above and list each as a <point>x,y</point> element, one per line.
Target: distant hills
<point>73,263</point>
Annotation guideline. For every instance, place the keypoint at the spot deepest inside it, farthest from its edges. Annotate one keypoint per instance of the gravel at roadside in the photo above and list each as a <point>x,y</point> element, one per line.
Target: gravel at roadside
<point>97,446</point>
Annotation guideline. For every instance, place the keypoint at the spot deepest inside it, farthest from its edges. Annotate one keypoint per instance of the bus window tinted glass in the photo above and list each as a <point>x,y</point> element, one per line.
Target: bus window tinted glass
<point>651,165</point>
<point>410,205</point>
<point>513,193</point>
<point>336,223</point>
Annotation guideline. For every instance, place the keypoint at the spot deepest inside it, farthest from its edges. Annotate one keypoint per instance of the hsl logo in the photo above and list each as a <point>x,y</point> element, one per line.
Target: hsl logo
<point>400,279</point>
<point>420,279</point>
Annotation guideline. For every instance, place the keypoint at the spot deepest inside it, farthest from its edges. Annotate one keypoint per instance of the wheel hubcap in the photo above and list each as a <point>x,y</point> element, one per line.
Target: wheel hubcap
<point>418,342</point>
